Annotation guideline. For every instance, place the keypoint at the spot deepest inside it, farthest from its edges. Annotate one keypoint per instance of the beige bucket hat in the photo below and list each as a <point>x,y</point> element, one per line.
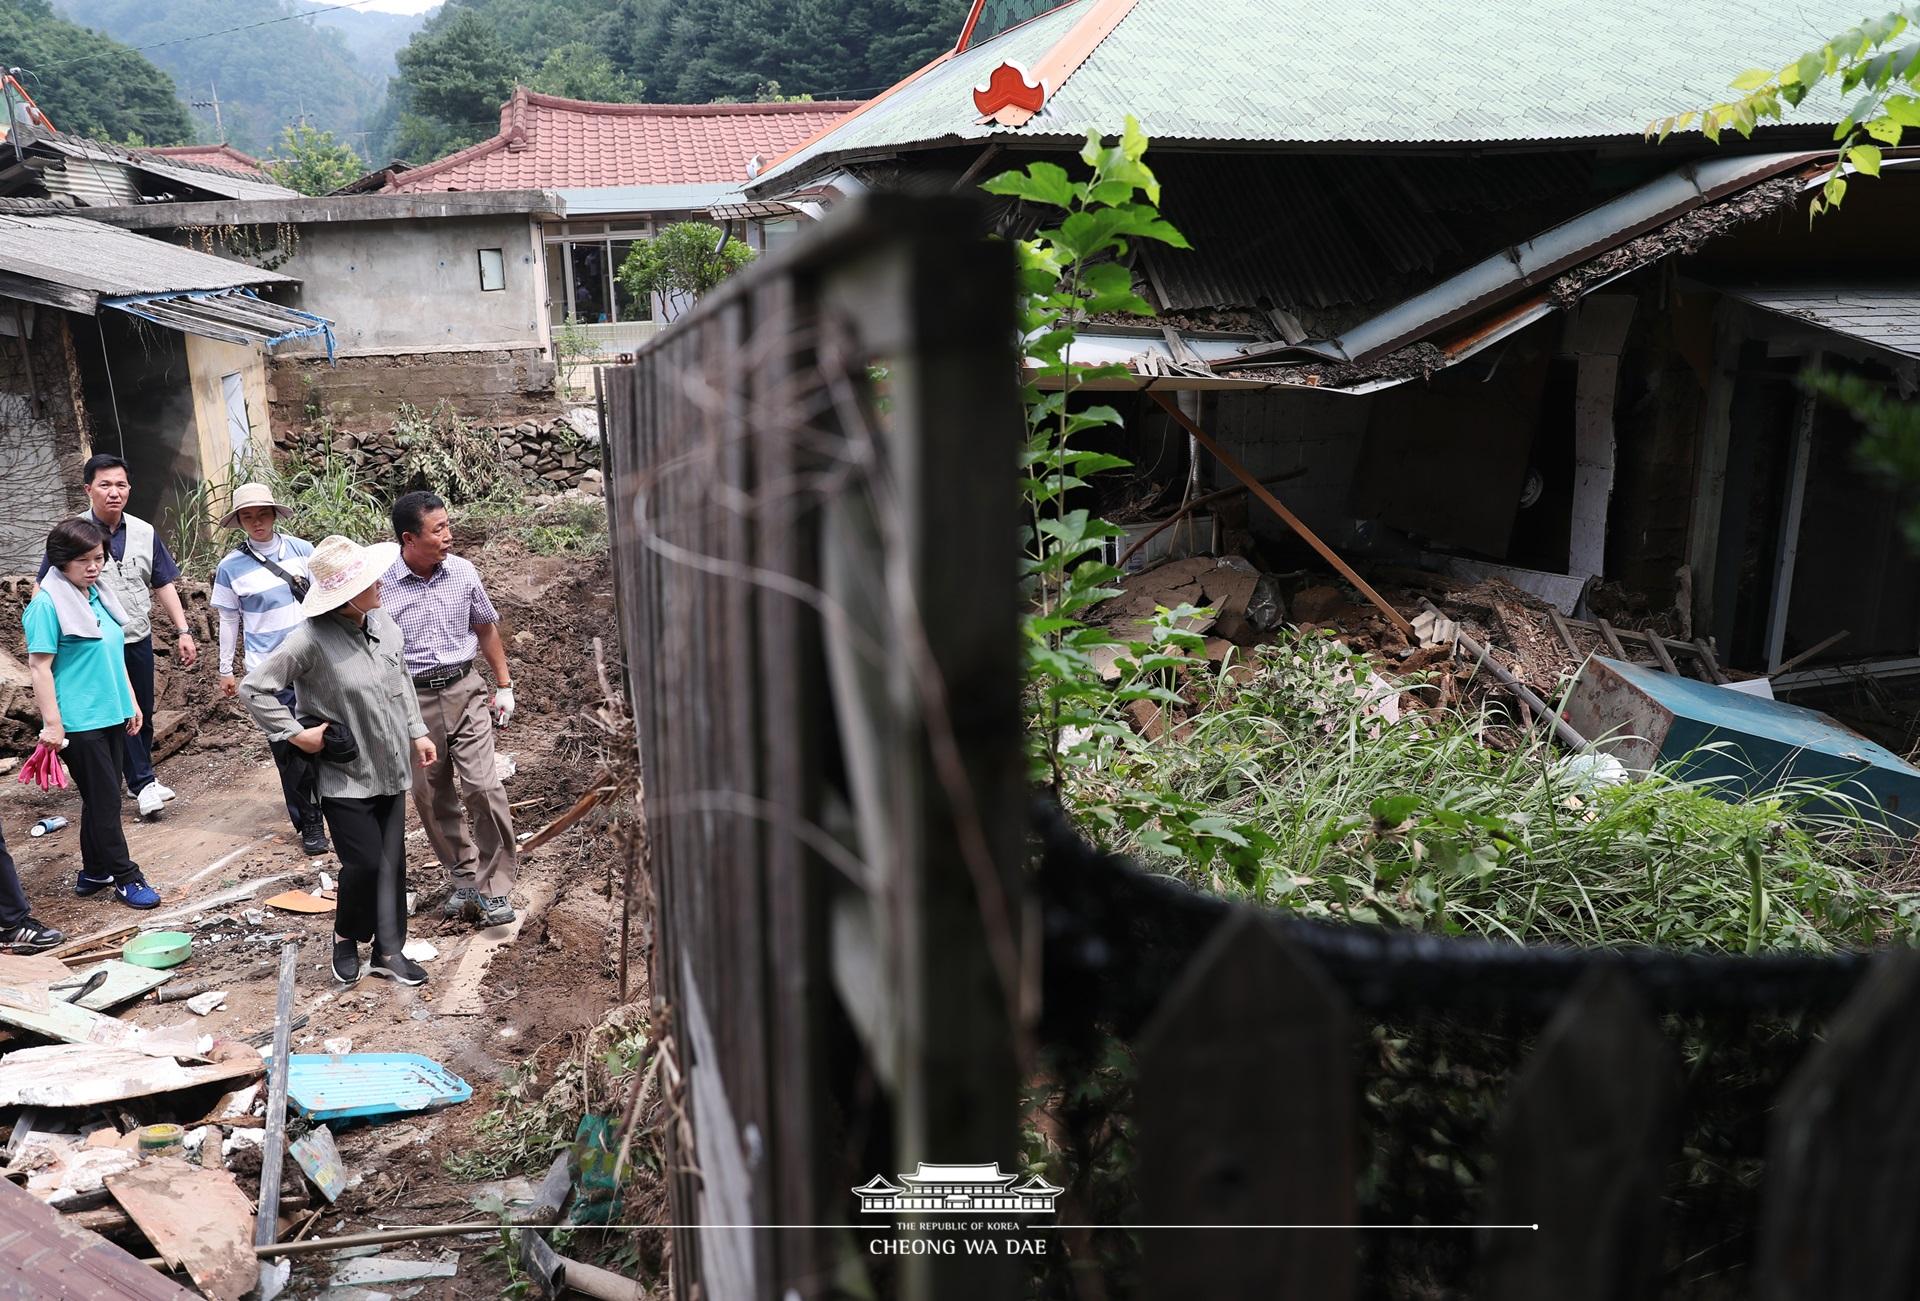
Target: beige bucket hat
<point>342,569</point>
<point>246,497</point>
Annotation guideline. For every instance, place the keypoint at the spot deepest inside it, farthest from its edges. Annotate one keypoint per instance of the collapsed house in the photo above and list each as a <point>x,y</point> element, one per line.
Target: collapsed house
<point>1479,323</point>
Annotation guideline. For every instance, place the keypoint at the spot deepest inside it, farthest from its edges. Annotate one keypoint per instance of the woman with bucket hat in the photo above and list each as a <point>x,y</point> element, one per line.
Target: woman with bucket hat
<point>257,591</point>
<point>360,721</point>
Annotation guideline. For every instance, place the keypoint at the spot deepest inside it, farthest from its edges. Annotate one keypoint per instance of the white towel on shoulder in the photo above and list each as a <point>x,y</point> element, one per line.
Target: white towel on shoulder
<point>77,618</point>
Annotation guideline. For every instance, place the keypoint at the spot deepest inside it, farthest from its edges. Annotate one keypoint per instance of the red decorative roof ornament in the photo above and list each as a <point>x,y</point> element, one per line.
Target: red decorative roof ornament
<point>1009,87</point>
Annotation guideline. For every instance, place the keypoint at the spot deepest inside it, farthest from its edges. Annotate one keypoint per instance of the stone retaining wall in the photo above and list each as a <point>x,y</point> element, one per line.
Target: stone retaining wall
<point>561,451</point>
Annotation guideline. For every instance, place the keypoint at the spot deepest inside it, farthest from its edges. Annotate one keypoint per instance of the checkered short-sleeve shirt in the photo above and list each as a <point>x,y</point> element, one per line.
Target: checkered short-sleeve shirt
<point>437,614</point>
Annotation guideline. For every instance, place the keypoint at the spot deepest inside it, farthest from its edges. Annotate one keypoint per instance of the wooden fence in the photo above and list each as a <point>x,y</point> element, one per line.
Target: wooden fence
<point>815,532</point>
<point>817,560</point>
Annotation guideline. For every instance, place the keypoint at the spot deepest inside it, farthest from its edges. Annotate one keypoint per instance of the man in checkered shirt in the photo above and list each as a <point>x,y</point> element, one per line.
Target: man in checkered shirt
<point>449,624</point>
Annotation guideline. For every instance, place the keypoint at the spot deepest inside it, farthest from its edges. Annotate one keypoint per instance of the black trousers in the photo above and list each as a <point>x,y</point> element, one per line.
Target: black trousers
<point>139,747</point>
<point>13,900</point>
<point>296,772</point>
<point>369,836</point>
<point>94,759</point>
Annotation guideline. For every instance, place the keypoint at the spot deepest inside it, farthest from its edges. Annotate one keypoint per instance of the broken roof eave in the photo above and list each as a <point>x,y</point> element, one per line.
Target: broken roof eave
<point>229,315</point>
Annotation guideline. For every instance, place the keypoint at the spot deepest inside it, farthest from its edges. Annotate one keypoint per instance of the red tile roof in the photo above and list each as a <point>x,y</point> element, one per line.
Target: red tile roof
<point>546,143</point>
<point>223,156</point>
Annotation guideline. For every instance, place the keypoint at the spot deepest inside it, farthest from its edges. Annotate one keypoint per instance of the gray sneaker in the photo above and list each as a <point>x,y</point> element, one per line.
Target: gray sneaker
<point>461,902</point>
<point>491,910</point>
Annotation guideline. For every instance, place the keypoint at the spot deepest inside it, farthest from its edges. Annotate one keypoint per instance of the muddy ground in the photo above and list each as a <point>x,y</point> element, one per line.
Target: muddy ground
<point>224,845</point>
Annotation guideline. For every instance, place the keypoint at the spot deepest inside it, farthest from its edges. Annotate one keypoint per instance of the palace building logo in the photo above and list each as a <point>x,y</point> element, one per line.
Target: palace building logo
<point>957,1190</point>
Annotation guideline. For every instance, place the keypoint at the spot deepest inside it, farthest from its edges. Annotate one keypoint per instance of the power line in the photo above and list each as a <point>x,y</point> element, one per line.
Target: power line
<point>224,31</point>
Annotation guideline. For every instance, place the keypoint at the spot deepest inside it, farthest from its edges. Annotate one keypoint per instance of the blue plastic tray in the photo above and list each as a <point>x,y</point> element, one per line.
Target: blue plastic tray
<point>357,1086</point>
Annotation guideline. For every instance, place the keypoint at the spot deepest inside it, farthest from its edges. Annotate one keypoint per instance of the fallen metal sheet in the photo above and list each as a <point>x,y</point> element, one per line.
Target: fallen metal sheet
<point>58,1261</point>
<point>81,1075</point>
<point>196,1218</point>
<point>361,1085</point>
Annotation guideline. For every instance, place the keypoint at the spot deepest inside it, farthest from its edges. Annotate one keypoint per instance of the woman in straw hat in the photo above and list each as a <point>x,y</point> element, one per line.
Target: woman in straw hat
<point>257,591</point>
<point>360,718</point>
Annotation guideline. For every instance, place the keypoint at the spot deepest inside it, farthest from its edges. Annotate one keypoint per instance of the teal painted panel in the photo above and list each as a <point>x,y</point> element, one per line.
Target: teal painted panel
<point>1761,743</point>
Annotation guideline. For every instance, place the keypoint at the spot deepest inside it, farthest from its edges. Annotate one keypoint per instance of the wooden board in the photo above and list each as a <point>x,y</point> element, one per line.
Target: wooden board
<point>196,1218</point>
<point>125,983</point>
<point>82,1075</point>
<point>73,1024</point>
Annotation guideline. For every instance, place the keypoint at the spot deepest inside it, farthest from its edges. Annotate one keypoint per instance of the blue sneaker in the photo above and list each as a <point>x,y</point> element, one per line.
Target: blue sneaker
<point>137,894</point>
<point>86,886</point>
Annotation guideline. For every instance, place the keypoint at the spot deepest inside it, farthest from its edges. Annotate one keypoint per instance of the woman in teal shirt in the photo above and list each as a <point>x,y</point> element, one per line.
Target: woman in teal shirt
<point>86,704</point>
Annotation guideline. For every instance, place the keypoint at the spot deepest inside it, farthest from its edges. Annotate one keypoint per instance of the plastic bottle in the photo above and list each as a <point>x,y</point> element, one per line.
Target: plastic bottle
<point>45,825</point>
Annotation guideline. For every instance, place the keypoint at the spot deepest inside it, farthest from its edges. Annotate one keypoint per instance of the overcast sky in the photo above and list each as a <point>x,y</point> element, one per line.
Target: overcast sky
<point>399,6</point>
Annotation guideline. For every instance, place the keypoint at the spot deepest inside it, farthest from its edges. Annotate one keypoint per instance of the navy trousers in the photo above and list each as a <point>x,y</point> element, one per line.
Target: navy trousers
<point>139,757</point>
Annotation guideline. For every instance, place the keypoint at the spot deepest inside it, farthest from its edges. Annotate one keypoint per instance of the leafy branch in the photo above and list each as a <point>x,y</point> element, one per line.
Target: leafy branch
<point>1868,58</point>
<point>1080,740</point>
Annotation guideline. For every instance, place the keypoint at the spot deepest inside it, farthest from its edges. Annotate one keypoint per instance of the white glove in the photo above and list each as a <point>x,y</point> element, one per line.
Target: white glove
<point>502,706</point>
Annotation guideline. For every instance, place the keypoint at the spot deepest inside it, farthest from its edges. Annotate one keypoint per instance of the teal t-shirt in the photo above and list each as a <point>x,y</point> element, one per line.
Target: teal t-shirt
<point>89,673</point>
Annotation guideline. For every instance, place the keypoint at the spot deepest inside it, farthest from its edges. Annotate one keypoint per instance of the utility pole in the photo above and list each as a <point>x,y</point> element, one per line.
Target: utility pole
<point>212,102</point>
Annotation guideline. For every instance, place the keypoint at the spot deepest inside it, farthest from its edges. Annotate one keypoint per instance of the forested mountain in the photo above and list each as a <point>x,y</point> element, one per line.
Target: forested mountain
<point>267,76</point>
<point>87,83</point>
<point>469,54</point>
<point>372,37</point>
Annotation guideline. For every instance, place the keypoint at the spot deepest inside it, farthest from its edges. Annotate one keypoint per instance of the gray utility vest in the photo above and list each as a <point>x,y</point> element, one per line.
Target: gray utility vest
<point>131,577</point>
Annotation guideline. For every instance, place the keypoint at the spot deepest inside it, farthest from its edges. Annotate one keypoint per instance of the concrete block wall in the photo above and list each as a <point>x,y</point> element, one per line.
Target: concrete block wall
<point>365,393</point>
<point>1272,433</point>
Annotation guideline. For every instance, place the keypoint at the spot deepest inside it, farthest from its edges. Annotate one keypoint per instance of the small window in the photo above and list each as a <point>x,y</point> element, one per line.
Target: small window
<point>493,270</point>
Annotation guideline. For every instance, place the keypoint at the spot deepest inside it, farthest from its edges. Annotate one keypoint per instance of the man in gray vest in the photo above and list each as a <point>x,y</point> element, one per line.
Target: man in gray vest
<point>140,571</point>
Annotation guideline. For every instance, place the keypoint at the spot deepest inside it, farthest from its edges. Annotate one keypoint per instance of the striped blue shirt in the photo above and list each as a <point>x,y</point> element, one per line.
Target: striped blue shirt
<point>267,609</point>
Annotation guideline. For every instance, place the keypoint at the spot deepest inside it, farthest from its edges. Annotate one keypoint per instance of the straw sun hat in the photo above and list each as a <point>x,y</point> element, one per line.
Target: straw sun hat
<point>342,569</point>
<point>249,495</point>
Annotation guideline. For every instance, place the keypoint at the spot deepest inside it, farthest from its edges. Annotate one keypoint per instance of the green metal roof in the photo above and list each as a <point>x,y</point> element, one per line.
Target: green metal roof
<point>1379,72</point>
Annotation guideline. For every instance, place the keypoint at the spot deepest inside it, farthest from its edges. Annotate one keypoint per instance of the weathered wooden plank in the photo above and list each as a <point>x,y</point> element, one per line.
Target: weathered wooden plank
<point>1843,1158</point>
<point>196,1218</point>
<point>1244,1111</point>
<point>1582,1152</point>
<point>1612,639</point>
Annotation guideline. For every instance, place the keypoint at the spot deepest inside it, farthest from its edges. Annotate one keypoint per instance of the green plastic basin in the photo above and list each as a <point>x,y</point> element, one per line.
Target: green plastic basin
<point>158,949</point>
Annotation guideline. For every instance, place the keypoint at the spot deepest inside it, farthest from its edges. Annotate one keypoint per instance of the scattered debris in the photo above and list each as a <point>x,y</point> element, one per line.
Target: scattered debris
<point>419,950</point>
<point>554,1275</point>
<point>201,1004</point>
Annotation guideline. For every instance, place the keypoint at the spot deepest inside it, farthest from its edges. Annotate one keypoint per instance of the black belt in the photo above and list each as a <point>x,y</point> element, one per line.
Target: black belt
<point>443,677</point>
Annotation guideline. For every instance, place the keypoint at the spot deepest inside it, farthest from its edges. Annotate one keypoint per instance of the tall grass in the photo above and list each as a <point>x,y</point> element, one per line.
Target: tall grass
<point>1422,823</point>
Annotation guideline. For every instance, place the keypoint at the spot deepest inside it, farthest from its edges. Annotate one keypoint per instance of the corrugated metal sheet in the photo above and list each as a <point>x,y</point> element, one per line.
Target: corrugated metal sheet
<point>1384,72</point>
<point>79,151</point>
<point>48,1258</point>
<point>1883,313</point>
<point>108,262</point>
<point>96,183</point>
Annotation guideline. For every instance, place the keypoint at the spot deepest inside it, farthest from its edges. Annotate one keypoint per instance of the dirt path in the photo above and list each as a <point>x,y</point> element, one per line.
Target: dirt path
<point>224,845</point>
